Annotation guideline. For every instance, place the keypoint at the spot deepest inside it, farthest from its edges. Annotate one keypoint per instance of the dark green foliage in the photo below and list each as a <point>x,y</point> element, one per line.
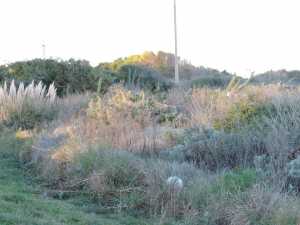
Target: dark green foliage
<point>133,75</point>
<point>236,180</point>
<point>211,81</point>
<point>150,71</point>
<point>103,79</point>
<point>143,77</point>
<point>167,117</point>
<point>76,76</point>
<point>68,76</point>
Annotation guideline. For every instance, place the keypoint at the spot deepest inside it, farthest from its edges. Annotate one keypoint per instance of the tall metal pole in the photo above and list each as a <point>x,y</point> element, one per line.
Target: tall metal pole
<point>176,46</point>
<point>44,50</point>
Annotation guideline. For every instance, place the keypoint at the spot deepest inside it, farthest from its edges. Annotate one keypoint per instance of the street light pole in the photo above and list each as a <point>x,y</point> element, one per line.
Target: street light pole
<point>176,46</point>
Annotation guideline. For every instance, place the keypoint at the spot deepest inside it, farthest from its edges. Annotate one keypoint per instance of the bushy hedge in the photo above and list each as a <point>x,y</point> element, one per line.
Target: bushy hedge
<point>68,76</point>
<point>244,113</point>
<point>76,76</point>
<point>147,71</point>
<point>144,77</point>
<point>219,81</point>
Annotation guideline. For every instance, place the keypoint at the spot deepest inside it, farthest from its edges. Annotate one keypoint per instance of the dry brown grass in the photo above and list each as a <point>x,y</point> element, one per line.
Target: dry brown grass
<point>263,204</point>
<point>95,149</point>
<point>120,120</point>
<point>208,105</point>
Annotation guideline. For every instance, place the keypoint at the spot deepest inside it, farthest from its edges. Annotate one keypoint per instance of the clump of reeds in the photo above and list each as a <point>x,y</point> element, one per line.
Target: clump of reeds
<point>24,106</point>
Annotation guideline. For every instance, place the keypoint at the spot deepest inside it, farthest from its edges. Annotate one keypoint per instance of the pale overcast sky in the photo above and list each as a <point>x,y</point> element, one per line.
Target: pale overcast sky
<point>236,35</point>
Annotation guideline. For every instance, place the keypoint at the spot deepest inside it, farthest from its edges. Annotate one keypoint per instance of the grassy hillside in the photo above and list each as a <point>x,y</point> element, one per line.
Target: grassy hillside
<point>23,200</point>
<point>191,155</point>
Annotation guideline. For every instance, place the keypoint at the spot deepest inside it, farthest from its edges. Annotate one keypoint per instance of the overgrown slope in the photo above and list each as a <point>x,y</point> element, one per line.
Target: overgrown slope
<point>22,201</point>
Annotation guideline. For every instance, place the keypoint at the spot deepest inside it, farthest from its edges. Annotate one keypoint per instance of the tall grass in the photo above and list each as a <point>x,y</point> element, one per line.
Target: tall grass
<point>24,107</point>
<point>94,150</point>
<point>205,105</point>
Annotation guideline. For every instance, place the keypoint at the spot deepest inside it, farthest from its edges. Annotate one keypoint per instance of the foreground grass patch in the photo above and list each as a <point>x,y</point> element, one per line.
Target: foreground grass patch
<point>22,203</point>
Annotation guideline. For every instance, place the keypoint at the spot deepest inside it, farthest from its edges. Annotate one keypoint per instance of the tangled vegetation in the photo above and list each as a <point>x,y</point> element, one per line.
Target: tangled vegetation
<point>235,149</point>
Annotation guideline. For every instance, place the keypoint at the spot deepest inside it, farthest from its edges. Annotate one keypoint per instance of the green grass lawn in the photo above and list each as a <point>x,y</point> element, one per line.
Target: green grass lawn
<point>22,203</point>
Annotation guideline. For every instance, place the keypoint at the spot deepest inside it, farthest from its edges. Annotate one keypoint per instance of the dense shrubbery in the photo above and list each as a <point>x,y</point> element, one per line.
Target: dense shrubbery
<point>244,114</point>
<point>119,180</point>
<point>213,81</point>
<point>147,71</point>
<point>117,147</point>
<point>291,78</point>
<point>143,77</point>
<point>216,150</point>
<point>163,63</point>
<point>68,76</point>
<point>79,76</point>
<point>247,123</point>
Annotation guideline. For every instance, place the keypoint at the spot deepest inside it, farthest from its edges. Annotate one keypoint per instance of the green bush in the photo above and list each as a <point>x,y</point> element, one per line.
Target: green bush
<point>143,77</point>
<point>77,76</point>
<point>120,170</point>
<point>14,144</point>
<point>235,181</point>
<point>104,78</point>
<point>244,113</point>
<point>72,76</point>
<point>217,81</point>
<point>214,196</point>
<point>215,150</point>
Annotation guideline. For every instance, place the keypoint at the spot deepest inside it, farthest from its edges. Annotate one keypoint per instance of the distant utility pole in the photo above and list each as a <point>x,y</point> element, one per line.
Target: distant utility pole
<point>44,50</point>
<point>176,47</point>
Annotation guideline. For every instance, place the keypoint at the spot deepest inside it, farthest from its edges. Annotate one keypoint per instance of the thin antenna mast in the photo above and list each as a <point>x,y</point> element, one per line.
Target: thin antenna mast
<point>176,46</point>
<point>44,50</point>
